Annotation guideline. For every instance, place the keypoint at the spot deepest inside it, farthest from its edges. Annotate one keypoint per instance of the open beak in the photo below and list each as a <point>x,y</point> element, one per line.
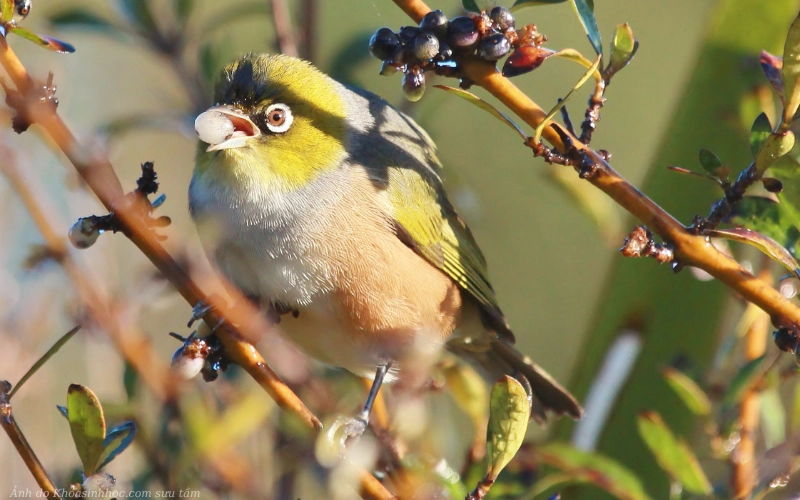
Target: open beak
<point>225,127</point>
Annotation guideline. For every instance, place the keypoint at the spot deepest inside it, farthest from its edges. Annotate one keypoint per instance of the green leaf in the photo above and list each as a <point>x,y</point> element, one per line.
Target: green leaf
<point>687,389</point>
<point>477,101</point>
<point>468,389</point>
<point>138,13</point>
<point>537,135</point>
<point>672,454</point>
<point>791,71</point>
<point>88,426</point>
<point>709,161</point>
<point>519,4</point>
<point>83,19</point>
<point>7,10</point>
<point>478,5</point>
<point>774,220</point>
<point>594,468</point>
<point>585,11</point>
<point>116,441</point>
<point>45,357</point>
<point>509,413</point>
<point>767,245</point>
<point>742,381</point>
<point>759,132</point>
<point>623,48</point>
<point>43,41</point>
<point>775,146</point>
<point>773,417</point>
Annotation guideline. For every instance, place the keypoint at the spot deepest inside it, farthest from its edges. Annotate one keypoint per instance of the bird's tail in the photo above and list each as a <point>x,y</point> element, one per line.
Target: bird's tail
<point>495,356</point>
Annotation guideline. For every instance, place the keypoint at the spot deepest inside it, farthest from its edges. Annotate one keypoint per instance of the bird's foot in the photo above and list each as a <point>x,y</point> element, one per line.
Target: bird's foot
<point>199,310</point>
<point>332,444</point>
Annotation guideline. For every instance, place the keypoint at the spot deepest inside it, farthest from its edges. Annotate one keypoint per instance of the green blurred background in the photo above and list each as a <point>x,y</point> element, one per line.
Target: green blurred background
<point>549,263</point>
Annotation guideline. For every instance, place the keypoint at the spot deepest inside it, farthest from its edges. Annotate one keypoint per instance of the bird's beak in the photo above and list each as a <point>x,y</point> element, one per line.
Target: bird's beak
<point>225,127</point>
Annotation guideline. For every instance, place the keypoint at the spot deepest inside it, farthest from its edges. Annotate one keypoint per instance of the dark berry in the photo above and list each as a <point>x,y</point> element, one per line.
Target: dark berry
<point>413,85</point>
<point>445,52</point>
<point>425,46</point>
<point>408,34</point>
<point>785,339</point>
<point>494,47</point>
<point>502,18</point>
<point>383,43</point>
<point>434,21</point>
<point>461,32</point>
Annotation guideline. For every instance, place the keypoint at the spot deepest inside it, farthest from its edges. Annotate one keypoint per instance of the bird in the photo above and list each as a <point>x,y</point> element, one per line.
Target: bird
<point>325,205</point>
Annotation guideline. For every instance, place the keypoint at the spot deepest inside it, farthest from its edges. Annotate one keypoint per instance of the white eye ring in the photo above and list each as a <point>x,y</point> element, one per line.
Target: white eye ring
<point>279,118</point>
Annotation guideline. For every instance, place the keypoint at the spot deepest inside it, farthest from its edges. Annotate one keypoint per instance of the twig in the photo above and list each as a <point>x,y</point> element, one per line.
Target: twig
<point>102,180</point>
<point>690,249</point>
<point>743,459</point>
<point>24,449</point>
<point>283,27</point>
<point>309,30</point>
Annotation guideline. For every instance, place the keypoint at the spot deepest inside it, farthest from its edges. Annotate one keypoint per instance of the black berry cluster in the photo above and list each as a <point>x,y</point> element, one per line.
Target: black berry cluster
<point>432,45</point>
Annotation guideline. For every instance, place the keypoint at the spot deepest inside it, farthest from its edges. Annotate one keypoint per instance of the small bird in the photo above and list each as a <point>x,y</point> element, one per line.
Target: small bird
<point>325,204</point>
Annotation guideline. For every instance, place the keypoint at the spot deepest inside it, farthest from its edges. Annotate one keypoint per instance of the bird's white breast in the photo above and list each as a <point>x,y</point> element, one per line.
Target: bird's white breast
<point>267,241</point>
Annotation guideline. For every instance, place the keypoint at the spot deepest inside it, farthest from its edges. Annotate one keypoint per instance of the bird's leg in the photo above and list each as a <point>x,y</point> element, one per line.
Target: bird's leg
<point>356,426</point>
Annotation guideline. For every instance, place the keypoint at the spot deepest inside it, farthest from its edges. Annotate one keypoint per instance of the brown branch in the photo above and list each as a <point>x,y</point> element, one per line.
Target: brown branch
<point>308,32</point>
<point>283,27</point>
<point>745,475</point>
<point>241,322</point>
<point>134,346</point>
<point>102,180</point>
<point>24,449</point>
<point>690,249</point>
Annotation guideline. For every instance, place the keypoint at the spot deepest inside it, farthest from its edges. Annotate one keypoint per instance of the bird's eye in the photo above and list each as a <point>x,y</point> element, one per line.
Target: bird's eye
<point>279,118</point>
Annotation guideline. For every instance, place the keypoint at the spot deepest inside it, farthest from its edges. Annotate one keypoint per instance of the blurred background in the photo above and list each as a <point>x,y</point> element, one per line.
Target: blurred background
<point>553,263</point>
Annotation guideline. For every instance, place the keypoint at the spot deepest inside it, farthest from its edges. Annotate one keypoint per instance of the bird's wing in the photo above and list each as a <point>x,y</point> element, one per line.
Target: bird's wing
<point>401,160</point>
<point>426,221</point>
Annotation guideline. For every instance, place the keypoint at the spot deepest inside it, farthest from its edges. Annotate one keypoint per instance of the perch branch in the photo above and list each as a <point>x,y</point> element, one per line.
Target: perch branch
<point>99,175</point>
<point>24,449</point>
<point>690,249</point>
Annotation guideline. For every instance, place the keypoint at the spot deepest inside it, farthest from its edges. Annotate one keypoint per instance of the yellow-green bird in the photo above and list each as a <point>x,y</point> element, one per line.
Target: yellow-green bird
<point>324,201</point>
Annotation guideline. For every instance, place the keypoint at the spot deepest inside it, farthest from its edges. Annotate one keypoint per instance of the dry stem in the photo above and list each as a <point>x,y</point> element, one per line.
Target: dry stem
<point>690,249</point>
<point>745,475</point>
<point>24,449</point>
<point>99,175</point>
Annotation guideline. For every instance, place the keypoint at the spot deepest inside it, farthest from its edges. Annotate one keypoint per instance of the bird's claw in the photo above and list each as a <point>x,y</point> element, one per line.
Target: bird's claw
<point>201,309</point>
<point>354,427</point>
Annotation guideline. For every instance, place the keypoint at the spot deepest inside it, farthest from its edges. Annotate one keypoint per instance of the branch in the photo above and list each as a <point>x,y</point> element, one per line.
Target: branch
<point>283,28</point>
<point>745,475</point>
<point>240,322</point>
<point>690,249</point>
<point>24,449</point>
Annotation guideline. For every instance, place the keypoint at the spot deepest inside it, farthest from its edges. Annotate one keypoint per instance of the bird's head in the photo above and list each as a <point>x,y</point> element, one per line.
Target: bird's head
<point>275,119</point>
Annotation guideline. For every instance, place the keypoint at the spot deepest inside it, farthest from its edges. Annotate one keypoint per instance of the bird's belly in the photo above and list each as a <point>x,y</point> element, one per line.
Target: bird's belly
<point>271,271</point>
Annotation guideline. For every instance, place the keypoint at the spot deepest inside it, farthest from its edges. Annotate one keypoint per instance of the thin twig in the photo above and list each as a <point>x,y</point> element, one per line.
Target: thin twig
<point>101,178</point>
<point>283,27</point>
<point>240,322</point>
<point>690,249</point>
<point>743,459</point>
<point>24,449</point>
<point>309,30</point>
